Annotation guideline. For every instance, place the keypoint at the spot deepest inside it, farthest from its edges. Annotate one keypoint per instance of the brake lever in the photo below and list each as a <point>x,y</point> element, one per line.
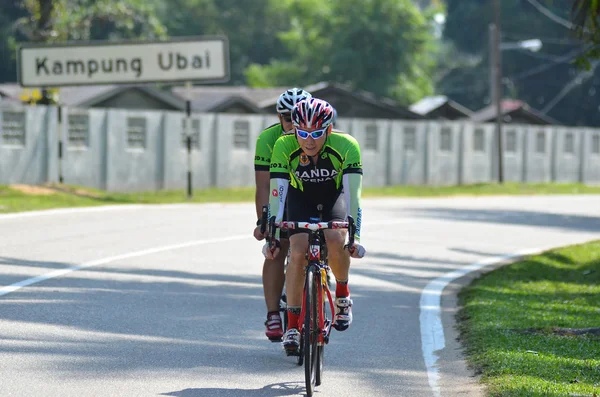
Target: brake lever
<point>271,236</point>
<point>263,219</point>
<point>351,231</point>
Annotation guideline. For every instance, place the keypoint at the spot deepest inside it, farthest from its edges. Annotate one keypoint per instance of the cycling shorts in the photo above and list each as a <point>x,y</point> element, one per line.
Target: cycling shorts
<point>302,207</point>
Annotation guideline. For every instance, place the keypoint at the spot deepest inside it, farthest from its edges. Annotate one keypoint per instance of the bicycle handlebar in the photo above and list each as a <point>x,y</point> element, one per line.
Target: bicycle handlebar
<point>290,225</point>
<point>313,226</point>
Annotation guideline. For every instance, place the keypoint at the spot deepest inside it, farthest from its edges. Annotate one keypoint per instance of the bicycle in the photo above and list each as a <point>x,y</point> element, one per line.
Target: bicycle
<point>317,319</point>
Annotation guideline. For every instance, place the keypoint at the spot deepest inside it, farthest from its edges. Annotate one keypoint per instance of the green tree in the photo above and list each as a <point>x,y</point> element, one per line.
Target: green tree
<point>72,20</point>
<point>250,26</point>
<point>586,24</point>
<point>382,46</point>
<point>63,20</point>
<point>548,80</point>
<point>11,11</point>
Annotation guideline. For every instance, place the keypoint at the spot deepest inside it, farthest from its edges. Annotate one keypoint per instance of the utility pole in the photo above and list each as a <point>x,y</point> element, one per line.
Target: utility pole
<point>496,84</point>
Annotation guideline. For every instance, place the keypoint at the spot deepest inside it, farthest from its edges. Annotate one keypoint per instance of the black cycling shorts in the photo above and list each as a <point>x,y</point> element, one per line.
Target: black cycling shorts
<point>302,207</point>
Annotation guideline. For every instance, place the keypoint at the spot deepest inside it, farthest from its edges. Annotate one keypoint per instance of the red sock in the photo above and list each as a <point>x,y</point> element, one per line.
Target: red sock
<point>293,320</point>
<point>342,289</point>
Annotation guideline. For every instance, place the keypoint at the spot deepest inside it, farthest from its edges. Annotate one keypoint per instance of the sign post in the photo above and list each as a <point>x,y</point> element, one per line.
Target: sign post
<point>188,138</point>
<point>197,59</point>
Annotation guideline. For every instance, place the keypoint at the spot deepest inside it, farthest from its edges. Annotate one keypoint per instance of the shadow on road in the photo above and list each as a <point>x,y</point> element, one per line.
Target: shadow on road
<point>272,390</point>
<point>526,218</point>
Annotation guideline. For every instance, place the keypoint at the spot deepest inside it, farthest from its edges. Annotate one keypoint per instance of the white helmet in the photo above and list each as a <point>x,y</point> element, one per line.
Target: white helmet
<point>287,100</point>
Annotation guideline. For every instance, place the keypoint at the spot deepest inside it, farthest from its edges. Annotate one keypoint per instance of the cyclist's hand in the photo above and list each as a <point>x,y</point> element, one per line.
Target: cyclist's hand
<point>271,251</point>
<point>258,235</point>
<point>357,251</point>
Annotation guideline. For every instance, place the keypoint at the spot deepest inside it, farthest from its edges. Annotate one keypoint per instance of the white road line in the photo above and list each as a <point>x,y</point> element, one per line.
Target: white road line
<point>61,272</point>
<point>103,208</point>
<point>432,331</point>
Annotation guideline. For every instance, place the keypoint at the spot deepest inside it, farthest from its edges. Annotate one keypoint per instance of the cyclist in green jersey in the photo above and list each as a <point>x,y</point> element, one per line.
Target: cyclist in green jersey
<point>273,269</point>
<point>316,166</point>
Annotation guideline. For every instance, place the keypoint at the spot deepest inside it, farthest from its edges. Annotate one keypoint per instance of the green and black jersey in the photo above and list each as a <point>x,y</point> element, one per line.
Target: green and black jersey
<point>337,169</point>
<point>264,146</point>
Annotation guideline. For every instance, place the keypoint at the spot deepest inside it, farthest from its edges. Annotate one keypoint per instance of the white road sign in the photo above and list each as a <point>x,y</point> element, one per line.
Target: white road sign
<point>194,59</point>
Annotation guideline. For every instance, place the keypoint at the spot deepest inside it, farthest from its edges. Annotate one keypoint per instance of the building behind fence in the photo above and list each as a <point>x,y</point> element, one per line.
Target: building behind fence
<point>120,150</point>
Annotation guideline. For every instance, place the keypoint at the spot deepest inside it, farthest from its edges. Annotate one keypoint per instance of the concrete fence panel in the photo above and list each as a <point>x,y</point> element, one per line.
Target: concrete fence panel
<point>135,144</point>
<point>538,153</point>
<point>28,145</point>
<point>408,148</point>
<point>477,146</point>
<point>372,136</point>
<point>235,147</point>
<point>444,152</point>
<point>591,156</point>
<point>566,155</point>
<point>84,137</point>
<point>201,127</point>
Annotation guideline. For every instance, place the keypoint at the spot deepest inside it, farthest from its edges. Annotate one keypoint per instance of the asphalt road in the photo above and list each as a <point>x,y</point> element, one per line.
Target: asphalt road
<point>167,300</point>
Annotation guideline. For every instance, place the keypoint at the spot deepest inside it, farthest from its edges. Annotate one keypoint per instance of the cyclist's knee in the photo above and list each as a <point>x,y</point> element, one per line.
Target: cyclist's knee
<point>298,257</point>
<point>335,240</point>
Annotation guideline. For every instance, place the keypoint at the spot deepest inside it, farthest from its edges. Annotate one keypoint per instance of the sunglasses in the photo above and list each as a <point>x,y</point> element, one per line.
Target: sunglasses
<point>316,134</point>
<point>287,118</point>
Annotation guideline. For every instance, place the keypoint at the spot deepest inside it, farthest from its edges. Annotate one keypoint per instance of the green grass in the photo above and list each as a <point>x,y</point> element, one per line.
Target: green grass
<point>12,200</point>
<point>511,316</point>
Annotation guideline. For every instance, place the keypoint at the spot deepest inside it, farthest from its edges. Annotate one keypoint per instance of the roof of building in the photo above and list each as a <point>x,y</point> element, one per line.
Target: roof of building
<point>510,107</point>
<point>432,103</point>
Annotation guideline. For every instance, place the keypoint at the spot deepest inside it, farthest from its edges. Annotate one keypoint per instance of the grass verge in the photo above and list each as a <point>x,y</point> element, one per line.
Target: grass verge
<point>16,198</point>
<point>529,328</point>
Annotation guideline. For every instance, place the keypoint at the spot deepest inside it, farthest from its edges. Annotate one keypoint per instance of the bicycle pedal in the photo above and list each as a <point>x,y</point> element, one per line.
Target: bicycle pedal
<point>276,340</point>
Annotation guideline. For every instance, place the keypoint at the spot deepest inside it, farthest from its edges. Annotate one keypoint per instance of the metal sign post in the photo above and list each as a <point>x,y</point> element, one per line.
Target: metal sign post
<point>188,135</point>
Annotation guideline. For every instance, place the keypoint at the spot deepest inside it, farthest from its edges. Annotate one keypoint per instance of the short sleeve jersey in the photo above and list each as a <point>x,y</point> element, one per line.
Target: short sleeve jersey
<point>340,155</point>
<point>264,147</point>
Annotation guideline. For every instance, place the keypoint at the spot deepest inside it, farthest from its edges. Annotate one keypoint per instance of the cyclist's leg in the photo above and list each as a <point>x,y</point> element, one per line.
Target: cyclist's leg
<point>339,262</point>
<point>294,282</point>
<point>273,279</point>
<point>294,276</point>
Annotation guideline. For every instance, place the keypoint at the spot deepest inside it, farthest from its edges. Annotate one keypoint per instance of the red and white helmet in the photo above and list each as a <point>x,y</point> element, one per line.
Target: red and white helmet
<point>312,113</point>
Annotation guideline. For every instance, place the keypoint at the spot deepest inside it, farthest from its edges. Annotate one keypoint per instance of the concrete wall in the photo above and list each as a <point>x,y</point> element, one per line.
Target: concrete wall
<point>477,153</point>
<point>409,154</point>
<point>28,145</point>
<point>120,150</point>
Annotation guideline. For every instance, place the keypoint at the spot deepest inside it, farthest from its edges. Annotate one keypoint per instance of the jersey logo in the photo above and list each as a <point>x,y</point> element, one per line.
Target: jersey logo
<point>317,175</point>
<point>275,193</point>
<point>304,160</point>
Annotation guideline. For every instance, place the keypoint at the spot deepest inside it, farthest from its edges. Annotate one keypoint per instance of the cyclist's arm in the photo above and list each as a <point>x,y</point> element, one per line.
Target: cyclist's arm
<point>261,197</point>
<point>262,161</point>
<point>352,184</point>
<point>279,183</point>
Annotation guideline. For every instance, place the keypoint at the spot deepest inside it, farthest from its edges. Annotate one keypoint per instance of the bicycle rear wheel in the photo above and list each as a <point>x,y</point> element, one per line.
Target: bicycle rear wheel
<point>311,331</point>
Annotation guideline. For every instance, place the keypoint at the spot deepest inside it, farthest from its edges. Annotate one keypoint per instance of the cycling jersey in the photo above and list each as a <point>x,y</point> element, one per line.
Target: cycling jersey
<point>338,169</point>
<point>264,146</point>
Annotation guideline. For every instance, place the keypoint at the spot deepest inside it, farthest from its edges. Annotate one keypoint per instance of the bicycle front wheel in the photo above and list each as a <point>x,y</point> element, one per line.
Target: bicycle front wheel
<point>311,331</point>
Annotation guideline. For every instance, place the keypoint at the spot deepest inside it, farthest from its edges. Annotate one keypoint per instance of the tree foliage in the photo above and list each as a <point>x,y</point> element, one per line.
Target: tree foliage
<point>383,46</point>
<point>55,21</point>
<point>250,26</point>
<point>548,80</point>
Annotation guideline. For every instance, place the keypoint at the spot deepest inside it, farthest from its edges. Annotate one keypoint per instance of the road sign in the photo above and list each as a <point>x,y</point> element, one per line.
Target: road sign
<point>194,59</point>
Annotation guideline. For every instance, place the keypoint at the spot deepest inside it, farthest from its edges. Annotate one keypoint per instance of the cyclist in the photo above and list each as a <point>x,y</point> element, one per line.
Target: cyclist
<point>273,269</point>
<point>315,166</point>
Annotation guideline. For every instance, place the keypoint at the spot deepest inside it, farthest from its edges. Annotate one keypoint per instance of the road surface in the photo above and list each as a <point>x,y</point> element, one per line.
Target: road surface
<point>167,300</point>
